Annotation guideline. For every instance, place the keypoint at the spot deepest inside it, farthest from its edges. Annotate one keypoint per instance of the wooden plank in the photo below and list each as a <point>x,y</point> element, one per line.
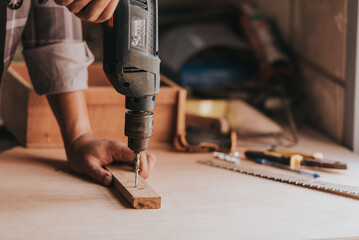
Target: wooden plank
<point>142,197</point>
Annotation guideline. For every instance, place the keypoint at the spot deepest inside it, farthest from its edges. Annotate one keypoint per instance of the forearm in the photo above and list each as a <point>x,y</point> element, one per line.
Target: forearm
<point>71,114</point>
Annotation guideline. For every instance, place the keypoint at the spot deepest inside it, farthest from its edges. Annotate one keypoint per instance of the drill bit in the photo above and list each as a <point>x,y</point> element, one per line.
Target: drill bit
<point>137,169</point>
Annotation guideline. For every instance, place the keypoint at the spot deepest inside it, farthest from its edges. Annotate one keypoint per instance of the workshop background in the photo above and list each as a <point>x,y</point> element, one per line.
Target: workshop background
<point>313,33</point>
<point>313,30</point>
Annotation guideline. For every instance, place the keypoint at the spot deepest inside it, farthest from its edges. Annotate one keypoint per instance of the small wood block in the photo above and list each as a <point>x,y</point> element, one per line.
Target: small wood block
<point>142,197</point>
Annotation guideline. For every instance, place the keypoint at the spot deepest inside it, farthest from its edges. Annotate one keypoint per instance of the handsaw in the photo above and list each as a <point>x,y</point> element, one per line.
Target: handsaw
<point>337,189</point>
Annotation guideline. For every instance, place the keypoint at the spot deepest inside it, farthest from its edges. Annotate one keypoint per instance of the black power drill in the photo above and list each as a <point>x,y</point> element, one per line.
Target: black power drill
<point>131,63</point>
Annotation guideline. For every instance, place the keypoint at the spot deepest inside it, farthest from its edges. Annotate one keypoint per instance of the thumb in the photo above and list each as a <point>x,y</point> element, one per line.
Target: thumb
<point>99,174</point>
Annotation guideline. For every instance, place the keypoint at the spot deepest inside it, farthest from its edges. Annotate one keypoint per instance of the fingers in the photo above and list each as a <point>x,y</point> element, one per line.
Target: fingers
<point>108,12</point>
<point>120,152</point>
<point>77,6</point>
<point>99,174</point>
<point>147,163</point>
<point>144,165</point>
<point>151,160</point>
<point>63,2</point>
<point>93,10</point>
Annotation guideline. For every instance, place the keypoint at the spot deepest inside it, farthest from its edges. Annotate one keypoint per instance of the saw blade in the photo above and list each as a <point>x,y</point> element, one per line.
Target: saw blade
<point>337,189</point>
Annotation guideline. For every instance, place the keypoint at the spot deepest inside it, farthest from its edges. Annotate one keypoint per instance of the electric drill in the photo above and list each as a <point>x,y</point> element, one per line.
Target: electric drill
<point>131,63</point>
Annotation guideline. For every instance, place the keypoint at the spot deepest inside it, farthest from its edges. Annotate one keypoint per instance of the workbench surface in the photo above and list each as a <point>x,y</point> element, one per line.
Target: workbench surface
<point>41,199</point>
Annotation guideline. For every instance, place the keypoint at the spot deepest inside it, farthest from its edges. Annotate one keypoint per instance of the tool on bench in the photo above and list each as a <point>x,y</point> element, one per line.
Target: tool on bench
<point>131,63</point>
<point>315,155</point>
<point>286,167</point>
<point>337,189</point>
<point>295,159</point>
<point>228,157</point>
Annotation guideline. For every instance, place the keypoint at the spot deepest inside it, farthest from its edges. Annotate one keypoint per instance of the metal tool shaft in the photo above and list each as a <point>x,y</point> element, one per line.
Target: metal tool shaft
<point>137,169</point>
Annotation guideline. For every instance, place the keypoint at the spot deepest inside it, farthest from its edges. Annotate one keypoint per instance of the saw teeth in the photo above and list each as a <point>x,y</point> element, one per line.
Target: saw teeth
<point>337,189</point>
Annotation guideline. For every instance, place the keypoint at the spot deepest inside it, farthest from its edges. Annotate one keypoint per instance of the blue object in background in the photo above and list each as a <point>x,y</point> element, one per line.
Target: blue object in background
<point>210,74</point>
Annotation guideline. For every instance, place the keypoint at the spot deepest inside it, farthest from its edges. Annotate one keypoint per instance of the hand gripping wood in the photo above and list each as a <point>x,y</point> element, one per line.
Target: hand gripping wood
<point>142,197</point>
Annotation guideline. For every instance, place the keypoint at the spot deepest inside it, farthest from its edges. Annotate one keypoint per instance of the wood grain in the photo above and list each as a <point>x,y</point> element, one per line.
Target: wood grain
<point>140,197</point>
<point>41,199</point>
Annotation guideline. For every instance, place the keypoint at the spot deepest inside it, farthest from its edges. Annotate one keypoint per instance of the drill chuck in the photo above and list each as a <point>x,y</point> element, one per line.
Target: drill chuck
<point>138,129</point>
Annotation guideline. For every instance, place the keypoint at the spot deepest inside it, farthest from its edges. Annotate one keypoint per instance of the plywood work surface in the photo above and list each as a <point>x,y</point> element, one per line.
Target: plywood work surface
<point>41,199</point>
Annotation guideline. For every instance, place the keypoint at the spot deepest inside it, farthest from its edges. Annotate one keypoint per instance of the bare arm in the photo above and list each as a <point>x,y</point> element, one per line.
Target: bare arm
<point>70,111</point>
<point>86,154</point>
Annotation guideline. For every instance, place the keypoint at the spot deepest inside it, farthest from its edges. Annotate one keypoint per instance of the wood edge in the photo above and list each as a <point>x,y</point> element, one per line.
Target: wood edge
<point>138,202</point>
<point>122,190</point>
<point>147,203</point>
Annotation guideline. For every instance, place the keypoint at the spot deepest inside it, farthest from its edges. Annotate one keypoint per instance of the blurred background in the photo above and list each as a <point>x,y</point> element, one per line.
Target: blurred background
<point>285,58</point>
<point>311,32</point>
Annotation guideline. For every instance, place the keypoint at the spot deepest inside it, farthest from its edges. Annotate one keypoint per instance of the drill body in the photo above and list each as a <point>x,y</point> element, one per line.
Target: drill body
<point>132,65</point>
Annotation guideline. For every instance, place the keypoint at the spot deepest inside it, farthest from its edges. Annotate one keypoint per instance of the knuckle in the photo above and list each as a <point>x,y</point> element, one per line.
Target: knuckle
<point>98,176</point>
<point>62,2</point>
<point>91,15</point>
<point>73,10</point>
<point>105,17</point>
<point>91,18</point>
<point>144,175</point>
<point>96,172</point>
<point>99,20</point>
<point>116,144</point>
<point>83,16</point>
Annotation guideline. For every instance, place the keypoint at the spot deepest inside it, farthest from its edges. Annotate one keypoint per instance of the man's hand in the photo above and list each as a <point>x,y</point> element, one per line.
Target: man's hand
<point>87,155</point>
<point>91,10</point>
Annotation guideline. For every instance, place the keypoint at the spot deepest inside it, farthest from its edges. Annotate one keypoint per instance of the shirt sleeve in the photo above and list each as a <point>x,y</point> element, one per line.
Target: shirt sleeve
<point>56,56</point>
